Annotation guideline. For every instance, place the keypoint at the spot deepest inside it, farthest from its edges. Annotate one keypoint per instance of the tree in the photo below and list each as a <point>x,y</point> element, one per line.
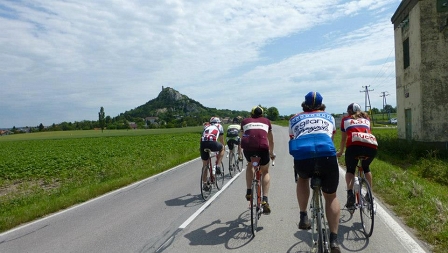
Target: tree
<point>101,118</point>
<point>272,113</point>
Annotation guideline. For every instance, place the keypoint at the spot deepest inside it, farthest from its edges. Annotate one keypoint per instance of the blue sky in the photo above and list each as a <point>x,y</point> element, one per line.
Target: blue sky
<point>63,60</point>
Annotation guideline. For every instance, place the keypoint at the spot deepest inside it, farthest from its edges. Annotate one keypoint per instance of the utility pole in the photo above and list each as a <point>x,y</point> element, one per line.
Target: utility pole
<point>367,99</point>
<point>384,100</point>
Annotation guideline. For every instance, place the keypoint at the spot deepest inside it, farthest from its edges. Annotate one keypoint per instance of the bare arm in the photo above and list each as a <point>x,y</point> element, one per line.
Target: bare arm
<point>342,145</point>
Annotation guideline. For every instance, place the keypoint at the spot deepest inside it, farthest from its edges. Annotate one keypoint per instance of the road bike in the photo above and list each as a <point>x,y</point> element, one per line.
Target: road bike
<point>319,225</point>
<point>209,179</point>
<point>256,209</point>
<point>234,164</point>
<point>363,199</point>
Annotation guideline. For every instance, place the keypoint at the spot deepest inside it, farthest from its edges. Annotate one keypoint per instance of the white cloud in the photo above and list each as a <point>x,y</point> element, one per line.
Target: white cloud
<point>72,57</point>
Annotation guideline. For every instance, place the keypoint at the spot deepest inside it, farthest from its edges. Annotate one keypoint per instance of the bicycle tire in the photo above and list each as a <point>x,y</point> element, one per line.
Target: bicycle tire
<point>320,233</point>
<point>254,208</point>
<point>206,194</point>
<point>367,211</point>
<point>219,179</point>
<point>232,166</point>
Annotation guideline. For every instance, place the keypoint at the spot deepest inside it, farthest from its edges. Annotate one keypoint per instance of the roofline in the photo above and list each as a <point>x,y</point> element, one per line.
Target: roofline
<point>402,11</point>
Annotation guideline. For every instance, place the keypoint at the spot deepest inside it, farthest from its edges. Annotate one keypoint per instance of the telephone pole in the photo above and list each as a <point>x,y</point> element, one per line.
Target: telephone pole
<point>384,100</point>
<point>367,99</point>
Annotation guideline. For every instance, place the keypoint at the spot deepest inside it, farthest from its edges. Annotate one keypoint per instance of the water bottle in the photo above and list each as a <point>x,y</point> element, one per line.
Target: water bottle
<point>214,169</point>
<point>356,185</point>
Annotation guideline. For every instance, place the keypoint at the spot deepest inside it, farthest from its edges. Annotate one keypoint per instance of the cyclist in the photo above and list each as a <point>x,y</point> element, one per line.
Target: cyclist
<point>311,145</point>
<point>358,140</point>
<point>233,138</point>
<point>212,138</point>
<point>257,139</point>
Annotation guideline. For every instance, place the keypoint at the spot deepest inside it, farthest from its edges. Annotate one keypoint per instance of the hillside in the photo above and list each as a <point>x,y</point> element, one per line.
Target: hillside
<point>172,106</point>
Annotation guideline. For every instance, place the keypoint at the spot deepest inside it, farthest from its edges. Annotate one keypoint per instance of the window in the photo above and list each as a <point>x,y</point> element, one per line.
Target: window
<point>406,56</point>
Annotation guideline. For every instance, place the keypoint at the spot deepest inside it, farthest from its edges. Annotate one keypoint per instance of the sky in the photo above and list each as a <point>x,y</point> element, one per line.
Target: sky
<point>61,61</point>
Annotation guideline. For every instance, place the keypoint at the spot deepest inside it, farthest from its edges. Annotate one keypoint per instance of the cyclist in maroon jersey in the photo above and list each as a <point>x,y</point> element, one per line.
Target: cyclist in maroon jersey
<point>257,139</point>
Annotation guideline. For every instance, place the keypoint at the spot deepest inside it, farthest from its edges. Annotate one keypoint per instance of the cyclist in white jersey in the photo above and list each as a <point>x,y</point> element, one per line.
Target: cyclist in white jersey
<point>213,139</point>
<point>233,138</point>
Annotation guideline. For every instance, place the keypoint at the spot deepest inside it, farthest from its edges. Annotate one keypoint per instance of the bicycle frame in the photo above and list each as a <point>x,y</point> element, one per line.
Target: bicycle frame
<point>233,161</point>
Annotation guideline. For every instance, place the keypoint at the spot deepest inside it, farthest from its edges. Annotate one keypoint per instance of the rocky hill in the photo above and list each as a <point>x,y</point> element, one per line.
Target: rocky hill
<point>170,105</point>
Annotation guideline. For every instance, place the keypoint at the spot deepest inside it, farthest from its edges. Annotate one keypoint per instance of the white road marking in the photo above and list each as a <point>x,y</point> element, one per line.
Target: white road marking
<point>209,201</point>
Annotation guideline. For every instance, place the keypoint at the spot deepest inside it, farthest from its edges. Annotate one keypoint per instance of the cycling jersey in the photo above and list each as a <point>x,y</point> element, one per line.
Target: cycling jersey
<point>358,132</point>
<point>255,136</point>
<point>212,132</point>
<point>311,135</point>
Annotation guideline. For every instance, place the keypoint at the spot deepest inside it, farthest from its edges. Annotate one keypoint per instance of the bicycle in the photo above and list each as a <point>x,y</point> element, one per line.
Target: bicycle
<point>256,208</point>
<point>211,178</point>
<point>319,225</point>
<point>234,164</point>
<point>363,199</point>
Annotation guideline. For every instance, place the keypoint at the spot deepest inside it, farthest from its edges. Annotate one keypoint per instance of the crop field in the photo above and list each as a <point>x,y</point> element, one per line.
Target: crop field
<point>42,173</point>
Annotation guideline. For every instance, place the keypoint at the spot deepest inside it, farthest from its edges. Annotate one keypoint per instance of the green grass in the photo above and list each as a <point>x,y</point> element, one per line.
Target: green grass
<point>41,173</point>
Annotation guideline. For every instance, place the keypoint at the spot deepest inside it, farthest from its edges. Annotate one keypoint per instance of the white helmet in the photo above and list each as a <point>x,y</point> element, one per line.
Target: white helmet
<point>214,120</point>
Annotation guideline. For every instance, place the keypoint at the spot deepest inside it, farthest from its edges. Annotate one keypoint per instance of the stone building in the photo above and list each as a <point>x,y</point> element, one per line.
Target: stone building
<point>421,65</point>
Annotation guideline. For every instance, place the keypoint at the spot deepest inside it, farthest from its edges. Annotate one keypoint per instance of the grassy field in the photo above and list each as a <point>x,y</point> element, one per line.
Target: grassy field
<point>41,173</point>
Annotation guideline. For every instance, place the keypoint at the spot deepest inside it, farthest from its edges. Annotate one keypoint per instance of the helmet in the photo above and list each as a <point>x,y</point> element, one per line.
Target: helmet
<point>354,107</point>
<point>214,120</point>
<point>257,111</point>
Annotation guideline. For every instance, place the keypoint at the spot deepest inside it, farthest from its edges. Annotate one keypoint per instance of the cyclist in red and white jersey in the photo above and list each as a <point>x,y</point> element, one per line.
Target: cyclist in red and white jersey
<point>213,139</point>
<point>357,140</point>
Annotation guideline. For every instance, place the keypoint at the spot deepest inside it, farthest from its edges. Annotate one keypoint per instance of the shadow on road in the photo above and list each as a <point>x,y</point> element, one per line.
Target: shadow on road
<point>233,234</point>
<point>187,200</point>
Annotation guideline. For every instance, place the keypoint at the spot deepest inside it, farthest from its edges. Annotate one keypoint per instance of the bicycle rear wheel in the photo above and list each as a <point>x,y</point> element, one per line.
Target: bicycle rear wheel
<point>366,207</point>
<point>206,189</point>
<point>254,208</point>
<point>219,179</point>
<point>232,169</point>
<point>319,225</point>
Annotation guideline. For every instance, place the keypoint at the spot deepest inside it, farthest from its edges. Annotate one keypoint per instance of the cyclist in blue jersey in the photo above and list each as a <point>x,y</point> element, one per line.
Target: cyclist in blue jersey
<point>311,144</point>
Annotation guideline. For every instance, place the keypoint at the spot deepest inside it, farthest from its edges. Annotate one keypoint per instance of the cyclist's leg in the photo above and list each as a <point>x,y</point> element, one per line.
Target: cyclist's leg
<point>204,158</point>
<point>264,167</point>
<point>350,164</point>
<point>302,170</point>
<point>370,153</point>
<point>240,153</point>
<point>330,181</point>
<point>249,173</point>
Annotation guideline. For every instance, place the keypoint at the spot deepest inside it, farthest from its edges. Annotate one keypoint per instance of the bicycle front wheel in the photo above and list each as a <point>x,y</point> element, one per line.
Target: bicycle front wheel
<point>367,210</point>
<point>254,208</point>
<point>220,177</point>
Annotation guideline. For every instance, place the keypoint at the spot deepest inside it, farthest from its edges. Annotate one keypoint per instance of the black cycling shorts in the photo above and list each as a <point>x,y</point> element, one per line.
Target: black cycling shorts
<point>353,151</point>
<point>214,146</point>
<point>263,154</point>
<point>326,167</point>
<point>232,142</point>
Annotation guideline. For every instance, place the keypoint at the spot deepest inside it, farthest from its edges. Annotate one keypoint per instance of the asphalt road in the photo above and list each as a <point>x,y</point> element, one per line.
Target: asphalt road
<point>166,213</point>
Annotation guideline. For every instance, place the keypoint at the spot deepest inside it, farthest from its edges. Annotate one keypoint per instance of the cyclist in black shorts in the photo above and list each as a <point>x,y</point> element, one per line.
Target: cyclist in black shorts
<point>311,145</point>
<point>213,139</point>
<point>233,139</point>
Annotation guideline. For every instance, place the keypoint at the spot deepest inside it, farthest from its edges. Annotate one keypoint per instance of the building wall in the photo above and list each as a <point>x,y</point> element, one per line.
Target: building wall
<point>422,88</point>
<point>434,72</point>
